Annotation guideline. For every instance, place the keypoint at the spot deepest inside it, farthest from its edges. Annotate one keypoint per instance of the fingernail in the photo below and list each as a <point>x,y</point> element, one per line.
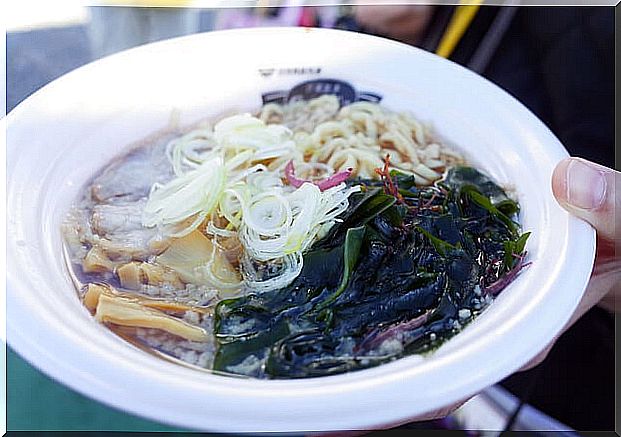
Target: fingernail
<point>586,185</point>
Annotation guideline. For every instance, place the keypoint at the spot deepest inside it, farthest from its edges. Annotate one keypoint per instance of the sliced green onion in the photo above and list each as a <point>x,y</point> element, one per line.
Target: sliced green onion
<point>196,192</point>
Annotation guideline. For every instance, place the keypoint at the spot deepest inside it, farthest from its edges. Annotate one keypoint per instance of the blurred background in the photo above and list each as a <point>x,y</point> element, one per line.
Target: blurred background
<point>557,61</point>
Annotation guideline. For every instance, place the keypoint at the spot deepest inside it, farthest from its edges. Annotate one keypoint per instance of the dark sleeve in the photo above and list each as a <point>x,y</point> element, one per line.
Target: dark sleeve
<point>559,62</point>
<point>574,49</point>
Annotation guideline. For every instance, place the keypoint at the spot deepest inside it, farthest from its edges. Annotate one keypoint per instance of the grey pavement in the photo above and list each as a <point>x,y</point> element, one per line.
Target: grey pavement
<point>35,58</point>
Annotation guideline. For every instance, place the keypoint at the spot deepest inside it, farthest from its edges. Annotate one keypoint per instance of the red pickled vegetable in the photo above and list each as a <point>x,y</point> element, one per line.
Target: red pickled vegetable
<point>323,185</point>
<point>377,337</point>
<point>507,278</point>
<point>390,186</point>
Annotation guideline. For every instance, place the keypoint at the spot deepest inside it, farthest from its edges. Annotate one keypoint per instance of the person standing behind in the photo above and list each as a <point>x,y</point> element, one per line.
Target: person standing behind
<point>116,28</point>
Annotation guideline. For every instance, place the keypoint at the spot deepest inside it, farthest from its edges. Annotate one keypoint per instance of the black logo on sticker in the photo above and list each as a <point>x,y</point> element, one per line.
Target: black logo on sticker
<point>311,89</point>
<point>289,71</point>
<point>266,72</point>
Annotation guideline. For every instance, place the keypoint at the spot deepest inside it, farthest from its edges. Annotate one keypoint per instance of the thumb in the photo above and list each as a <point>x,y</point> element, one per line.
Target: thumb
<point>588,191</point>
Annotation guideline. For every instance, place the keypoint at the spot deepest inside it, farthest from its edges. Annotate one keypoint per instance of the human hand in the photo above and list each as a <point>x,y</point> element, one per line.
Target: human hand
<point>588,191</point>
<point>405,23</point>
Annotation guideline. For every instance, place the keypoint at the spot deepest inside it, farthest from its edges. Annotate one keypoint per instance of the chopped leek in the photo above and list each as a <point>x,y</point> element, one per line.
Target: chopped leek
<point>229,173</point>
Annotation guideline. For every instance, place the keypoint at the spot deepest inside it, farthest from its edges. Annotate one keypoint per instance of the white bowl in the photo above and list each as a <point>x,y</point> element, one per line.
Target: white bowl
<point>61,135</point>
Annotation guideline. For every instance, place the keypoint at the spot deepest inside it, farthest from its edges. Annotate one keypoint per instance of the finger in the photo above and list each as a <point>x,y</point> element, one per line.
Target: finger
<point>540,357</point>
<point>440,412</point>
<point>588,191</point>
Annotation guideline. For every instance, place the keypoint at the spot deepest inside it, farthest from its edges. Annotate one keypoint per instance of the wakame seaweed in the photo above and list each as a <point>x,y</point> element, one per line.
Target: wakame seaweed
<point>403,271</point>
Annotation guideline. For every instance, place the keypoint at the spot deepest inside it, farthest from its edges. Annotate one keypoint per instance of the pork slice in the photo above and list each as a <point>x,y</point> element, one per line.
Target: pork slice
<point>120,231</point>
<point>76,231</point>
<point>132,176</point>
<point>108,218</point>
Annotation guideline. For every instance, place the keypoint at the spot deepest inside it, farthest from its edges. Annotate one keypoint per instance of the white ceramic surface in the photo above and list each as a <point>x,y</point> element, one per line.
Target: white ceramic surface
<point>62,134</point>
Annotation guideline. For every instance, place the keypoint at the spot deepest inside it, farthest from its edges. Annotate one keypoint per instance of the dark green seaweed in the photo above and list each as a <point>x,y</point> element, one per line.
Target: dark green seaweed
<point>387,281</point>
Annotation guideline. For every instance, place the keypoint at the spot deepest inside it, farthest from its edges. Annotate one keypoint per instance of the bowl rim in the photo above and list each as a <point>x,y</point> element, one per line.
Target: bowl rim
<point>382,379</point>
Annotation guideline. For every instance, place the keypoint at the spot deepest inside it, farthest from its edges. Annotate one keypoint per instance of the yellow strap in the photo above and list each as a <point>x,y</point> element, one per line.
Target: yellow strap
<point>461,19</point>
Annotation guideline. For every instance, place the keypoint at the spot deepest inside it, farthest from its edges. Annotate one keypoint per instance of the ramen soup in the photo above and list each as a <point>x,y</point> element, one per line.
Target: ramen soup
<point>305,240</point>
